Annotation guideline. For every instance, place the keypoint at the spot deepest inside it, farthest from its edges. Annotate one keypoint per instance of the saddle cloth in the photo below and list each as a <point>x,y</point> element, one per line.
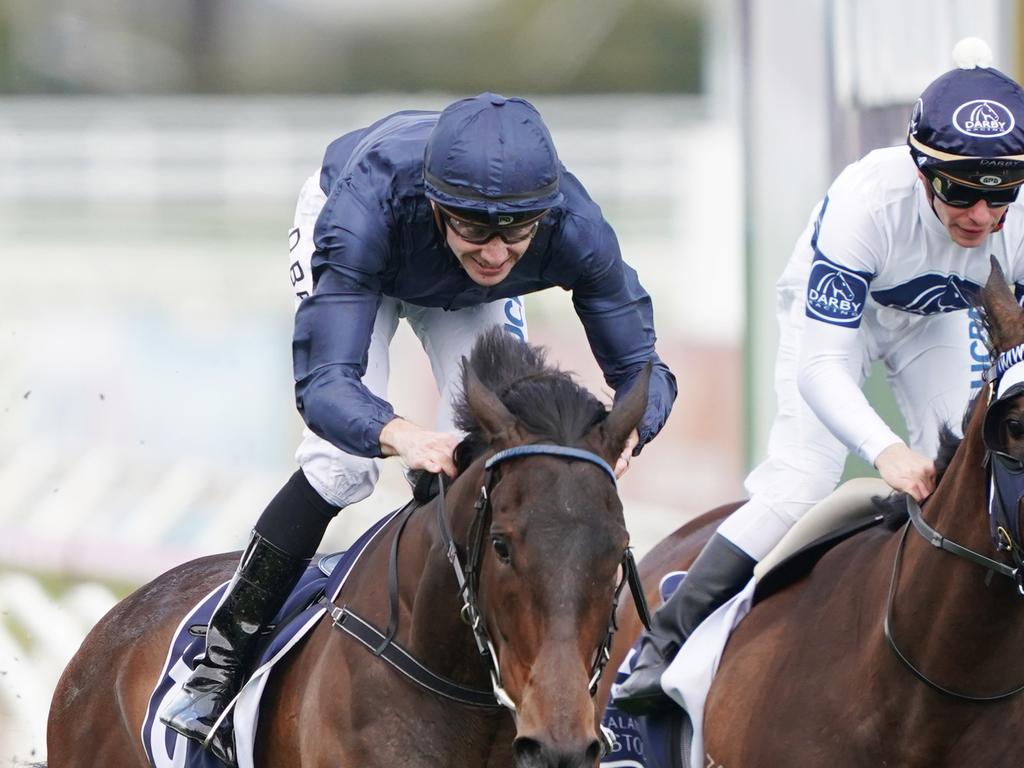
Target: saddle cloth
<point>655,742</point>
<point>301,612</point>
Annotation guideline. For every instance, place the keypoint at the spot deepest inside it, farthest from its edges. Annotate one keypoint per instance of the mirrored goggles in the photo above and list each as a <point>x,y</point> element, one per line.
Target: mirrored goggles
<point>479,234</point>
<point>961,196</point>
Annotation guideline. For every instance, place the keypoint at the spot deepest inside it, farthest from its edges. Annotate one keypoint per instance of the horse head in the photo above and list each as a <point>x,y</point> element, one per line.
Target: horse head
<point>1003,421</point>
<point>552,543</point>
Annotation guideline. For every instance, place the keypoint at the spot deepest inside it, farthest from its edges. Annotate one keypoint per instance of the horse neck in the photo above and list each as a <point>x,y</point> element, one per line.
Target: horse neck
<point>958,508</point>
<point>432,628</point>
<point>950,612</point>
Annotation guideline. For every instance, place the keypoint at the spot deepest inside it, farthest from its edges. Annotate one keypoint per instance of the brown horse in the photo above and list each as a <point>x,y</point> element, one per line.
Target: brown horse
<point>813,677</point>
<point>539,534</point>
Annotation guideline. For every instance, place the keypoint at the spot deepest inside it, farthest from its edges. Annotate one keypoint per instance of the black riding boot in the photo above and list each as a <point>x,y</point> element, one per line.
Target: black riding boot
<point>720,571</point>
<point>264,579</point>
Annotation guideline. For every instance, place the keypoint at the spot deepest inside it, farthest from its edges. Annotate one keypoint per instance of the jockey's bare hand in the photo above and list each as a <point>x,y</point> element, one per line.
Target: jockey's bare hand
<point>907,470</point>
<point>622,463</point>
<point>419,448</point>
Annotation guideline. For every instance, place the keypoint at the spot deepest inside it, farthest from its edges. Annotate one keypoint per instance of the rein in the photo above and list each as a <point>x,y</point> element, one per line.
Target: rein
<point>467,576</point>
<point>939,541</point>
<point>1005,473</point>
<point>936,539</point>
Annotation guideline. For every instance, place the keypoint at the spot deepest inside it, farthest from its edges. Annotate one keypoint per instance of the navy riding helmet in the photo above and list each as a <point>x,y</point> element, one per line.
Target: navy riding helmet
<point>491,159</point>
<point>967,128</point>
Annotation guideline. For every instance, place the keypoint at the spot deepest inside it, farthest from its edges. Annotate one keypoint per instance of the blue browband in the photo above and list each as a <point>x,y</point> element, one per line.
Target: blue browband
<point>1005,362</point>
<point>542,449</point>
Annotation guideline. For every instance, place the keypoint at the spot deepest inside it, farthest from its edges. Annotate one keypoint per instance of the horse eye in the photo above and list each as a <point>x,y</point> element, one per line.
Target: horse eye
<point>501,549</point>
<point>1015,428</point>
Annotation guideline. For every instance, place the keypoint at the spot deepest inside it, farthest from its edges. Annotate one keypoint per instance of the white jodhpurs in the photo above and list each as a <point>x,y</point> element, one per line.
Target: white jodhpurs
<point>933,363</point>
<point>446,336</point>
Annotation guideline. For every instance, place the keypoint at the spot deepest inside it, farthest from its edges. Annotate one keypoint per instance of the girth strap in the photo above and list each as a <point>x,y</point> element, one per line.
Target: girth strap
<point>399,658</point>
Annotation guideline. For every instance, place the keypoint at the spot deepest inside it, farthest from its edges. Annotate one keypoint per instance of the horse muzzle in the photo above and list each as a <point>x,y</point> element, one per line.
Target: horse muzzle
<point>533,752</point>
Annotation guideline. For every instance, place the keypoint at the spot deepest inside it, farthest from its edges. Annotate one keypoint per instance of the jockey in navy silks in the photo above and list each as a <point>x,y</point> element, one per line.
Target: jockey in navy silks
<point>444,219</point>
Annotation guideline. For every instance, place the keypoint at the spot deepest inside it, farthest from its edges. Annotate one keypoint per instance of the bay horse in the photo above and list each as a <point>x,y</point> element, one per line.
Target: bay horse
<point>896,649</point>
<point>504,585</point>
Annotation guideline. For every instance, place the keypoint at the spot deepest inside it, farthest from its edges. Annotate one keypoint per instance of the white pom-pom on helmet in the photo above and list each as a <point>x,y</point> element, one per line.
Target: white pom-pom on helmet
<point>967,129</point>
<point>972,52</point>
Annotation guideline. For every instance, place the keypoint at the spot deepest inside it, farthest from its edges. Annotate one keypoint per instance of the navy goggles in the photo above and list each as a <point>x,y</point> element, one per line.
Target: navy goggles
<point>961,196</point>
<point>479,234</point>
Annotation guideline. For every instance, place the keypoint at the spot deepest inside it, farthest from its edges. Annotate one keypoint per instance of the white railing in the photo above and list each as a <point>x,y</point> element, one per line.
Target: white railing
<point>38,636</point>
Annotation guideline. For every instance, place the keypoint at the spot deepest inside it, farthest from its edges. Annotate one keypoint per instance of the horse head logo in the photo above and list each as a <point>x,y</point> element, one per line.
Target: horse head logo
<point>834,286</point>
<point>983,113</point>
<point>983,118</point>
<point>955,295</point>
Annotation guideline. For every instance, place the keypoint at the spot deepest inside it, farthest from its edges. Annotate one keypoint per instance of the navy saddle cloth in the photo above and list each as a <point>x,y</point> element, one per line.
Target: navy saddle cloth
<point>322,579</point>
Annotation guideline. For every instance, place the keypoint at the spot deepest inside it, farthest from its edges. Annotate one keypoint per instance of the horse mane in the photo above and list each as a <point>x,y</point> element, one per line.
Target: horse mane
<point>546,400</point>
<point>894,506</point>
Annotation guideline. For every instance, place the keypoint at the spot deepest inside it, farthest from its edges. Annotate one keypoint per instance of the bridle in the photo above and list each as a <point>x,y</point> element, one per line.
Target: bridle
<point>467,576</point>
<point>1006,488</point>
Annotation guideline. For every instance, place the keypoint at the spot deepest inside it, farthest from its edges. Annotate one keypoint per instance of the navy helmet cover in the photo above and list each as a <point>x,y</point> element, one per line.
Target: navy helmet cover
<point>490,155</point>
<point>968,125</point>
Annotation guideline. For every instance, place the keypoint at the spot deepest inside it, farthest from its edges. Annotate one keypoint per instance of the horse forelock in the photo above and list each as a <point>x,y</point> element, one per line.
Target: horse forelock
<point>547,401</point>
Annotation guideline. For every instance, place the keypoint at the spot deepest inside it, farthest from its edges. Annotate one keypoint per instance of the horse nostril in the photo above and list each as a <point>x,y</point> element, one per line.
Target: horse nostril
<point>592,755</point>
<point>531,753</point>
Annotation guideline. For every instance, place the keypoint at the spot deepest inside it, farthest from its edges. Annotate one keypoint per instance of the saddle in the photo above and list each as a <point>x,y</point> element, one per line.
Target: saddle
<point>846,512</point>
<point>304,608</point>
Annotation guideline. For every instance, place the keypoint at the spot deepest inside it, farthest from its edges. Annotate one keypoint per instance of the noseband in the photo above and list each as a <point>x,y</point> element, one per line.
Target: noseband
<point>467,575</point>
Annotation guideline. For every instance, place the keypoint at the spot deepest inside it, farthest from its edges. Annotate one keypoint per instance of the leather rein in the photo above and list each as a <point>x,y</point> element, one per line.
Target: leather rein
<point>1002,521</point>
<point>467,576</point>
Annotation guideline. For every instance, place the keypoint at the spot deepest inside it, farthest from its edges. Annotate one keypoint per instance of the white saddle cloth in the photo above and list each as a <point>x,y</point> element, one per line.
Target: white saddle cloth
<point>688,678</point>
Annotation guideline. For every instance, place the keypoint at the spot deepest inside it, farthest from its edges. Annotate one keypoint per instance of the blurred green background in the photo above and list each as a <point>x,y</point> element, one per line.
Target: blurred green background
<point>316,46</point>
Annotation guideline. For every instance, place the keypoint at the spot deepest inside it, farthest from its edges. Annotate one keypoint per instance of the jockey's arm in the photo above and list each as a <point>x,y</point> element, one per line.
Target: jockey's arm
<point>827,355</point>
<point>618,317</point>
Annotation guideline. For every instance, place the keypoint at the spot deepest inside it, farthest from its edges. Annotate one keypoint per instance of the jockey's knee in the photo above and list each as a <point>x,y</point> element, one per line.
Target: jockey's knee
<point>760,524</point>
<point>340,478</point>
<point>342,485</point>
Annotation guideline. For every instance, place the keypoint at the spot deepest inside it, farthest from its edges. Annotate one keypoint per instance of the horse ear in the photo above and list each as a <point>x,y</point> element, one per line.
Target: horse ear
<point>490,413</point>
<point>625,415</point>
<point>1001,312</point>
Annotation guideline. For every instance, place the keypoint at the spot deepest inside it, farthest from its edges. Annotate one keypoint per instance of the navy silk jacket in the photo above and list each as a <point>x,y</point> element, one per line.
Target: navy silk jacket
<point>376,236</point>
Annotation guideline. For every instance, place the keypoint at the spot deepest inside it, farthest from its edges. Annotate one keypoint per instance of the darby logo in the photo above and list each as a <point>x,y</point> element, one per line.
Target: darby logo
<point>835,296</point>
<point>983,118</point>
